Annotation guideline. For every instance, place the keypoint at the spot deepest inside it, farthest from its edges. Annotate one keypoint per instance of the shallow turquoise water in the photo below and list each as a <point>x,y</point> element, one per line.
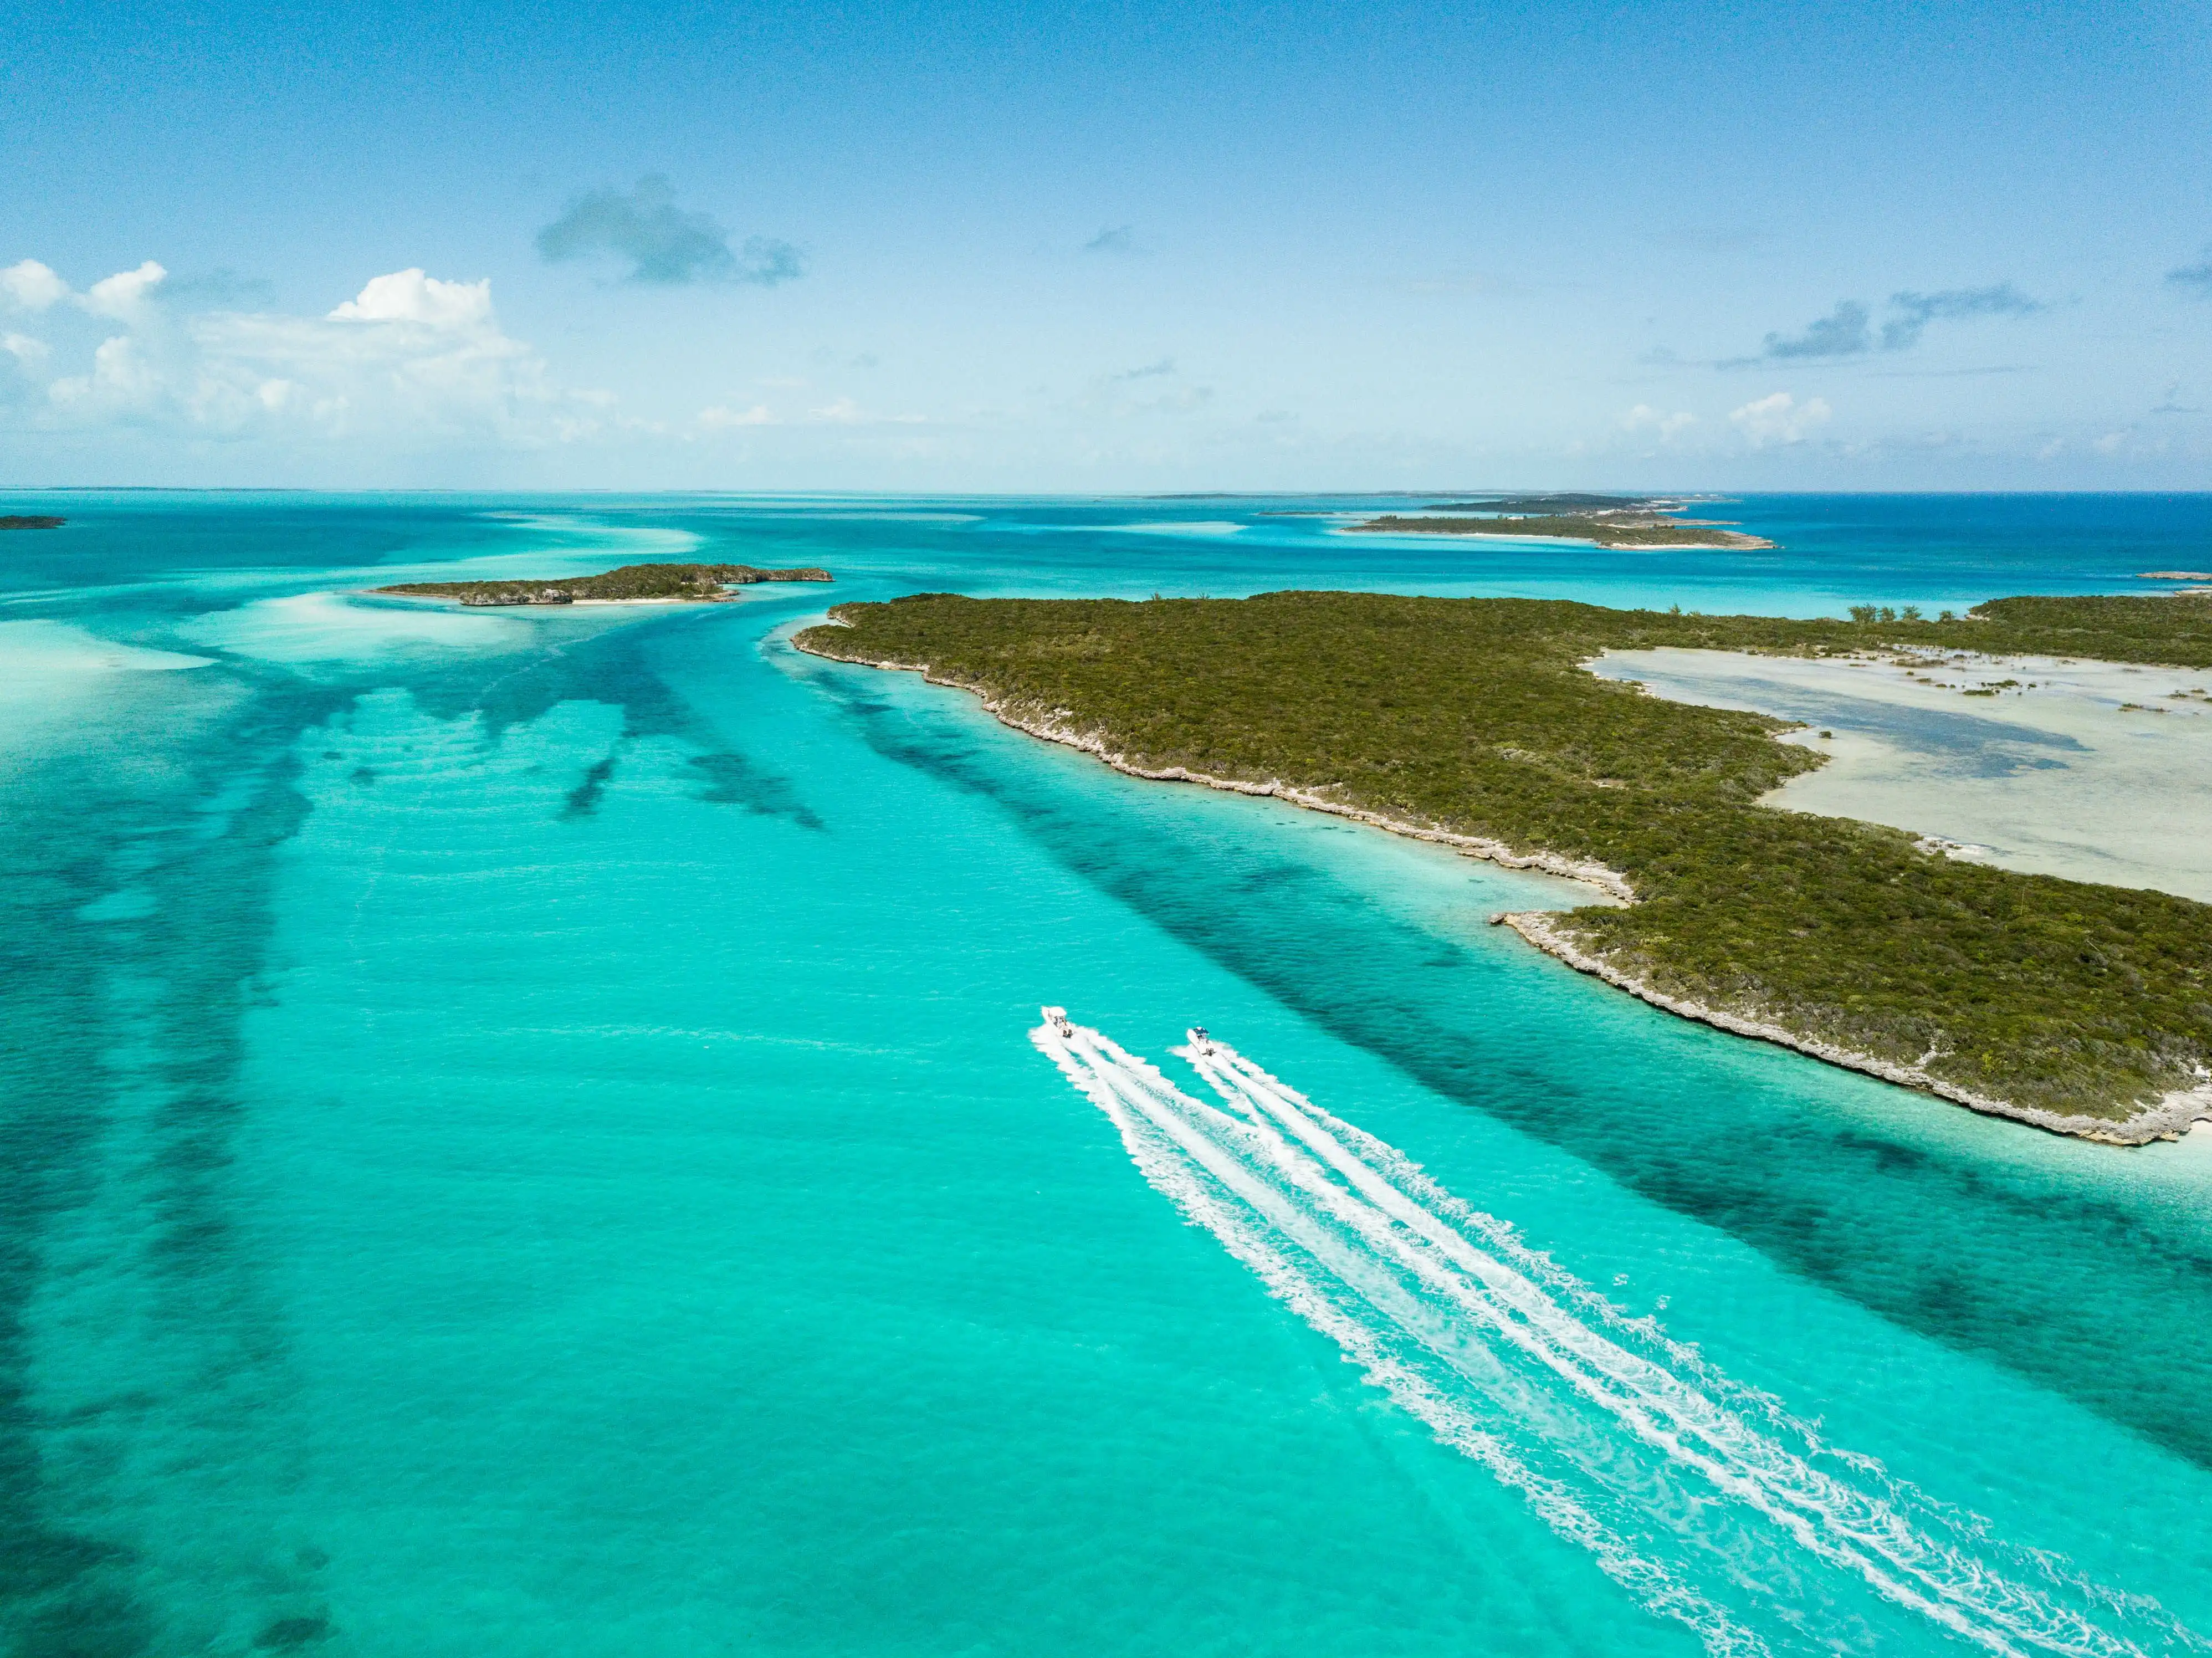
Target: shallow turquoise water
<point>522,1139</point>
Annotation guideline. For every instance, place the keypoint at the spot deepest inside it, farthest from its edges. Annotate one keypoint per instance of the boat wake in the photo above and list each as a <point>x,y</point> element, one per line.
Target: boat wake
<point>1704,1499</point>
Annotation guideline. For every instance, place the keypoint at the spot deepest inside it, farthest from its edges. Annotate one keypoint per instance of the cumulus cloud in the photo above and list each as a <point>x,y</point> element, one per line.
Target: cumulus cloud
<point>409,358</point>
<point>1779,418</point>
<point>1916,311</point>
<point>28,285</point>
<point>127,296</point>
<point>663,243</point>
<point>410,296</point>
<point>2192,279</point>
<point>1644,418</point>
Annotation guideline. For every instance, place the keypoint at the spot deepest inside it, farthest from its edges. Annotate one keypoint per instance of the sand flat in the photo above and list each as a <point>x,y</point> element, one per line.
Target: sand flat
<point>2054,776</point>
<point>335,628</point>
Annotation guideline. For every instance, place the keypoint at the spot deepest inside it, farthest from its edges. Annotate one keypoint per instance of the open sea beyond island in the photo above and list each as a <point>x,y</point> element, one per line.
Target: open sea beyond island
<point>523,1136</point>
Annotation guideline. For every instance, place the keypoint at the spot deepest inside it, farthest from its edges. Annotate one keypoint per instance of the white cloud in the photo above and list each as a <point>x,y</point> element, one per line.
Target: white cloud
<point>125,297</point>
<point>410,359</point>
<point>1779,418</point>
<point>29,286</point>
<point>1644,418</point>
<point>30,353</point>
<point>719,419</point>
<point>411,296</point>
<point>124,379</point>
<point>2109,444</point>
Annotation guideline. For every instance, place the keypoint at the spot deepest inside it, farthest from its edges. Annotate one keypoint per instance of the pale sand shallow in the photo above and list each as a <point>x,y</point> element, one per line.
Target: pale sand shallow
<point>2055,780</point>
<point>1208,527</point>
<point>56,680</point>
<point>36,655</point>
<point>331,628</point>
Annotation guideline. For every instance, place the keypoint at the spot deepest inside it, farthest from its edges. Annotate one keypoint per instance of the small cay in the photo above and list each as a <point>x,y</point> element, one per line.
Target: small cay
<point>1605,520</point>
<point>705,584</point>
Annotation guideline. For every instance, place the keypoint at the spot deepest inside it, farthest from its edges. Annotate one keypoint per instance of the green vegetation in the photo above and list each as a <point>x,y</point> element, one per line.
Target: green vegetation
<point>703,582</point>
<point>1473,716</point>
<point>35,521</point>
<point>1643,530</point>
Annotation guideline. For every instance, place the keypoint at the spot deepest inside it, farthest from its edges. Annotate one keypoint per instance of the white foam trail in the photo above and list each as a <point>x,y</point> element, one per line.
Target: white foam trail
<point>1843,1526</point>
<point>1127,1090</point>
<point>1374,1253</point>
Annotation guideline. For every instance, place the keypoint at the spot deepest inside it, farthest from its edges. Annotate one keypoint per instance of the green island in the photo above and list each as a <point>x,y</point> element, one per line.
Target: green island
<point>693,583</point>
<point>1606,528</point>
<point>2080,1008</point>
<point>34,521</point>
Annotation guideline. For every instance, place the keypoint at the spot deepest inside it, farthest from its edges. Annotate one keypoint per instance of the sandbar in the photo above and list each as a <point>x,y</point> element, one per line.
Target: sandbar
<point>2090,770</point>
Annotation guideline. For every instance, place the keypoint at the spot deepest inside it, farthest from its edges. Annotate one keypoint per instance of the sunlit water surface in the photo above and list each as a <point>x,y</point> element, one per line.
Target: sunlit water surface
<point>524,1137</point>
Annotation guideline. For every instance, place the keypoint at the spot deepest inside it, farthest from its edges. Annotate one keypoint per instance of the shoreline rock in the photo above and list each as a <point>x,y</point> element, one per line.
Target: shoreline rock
<point>2167,1118</point>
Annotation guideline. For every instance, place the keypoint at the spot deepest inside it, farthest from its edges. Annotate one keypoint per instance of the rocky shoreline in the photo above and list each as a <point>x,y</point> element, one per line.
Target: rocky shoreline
<point>2167,1118</point>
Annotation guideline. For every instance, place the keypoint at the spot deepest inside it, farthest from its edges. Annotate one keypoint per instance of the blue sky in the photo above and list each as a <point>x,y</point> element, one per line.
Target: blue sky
<point>1107,247</point>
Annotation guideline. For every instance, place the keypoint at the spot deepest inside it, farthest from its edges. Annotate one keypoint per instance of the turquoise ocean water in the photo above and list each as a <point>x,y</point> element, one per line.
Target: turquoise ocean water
<point>522,1137</point>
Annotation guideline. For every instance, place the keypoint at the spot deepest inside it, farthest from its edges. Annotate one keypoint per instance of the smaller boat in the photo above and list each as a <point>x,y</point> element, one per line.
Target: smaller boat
<point>1057,1018</point>
<point>1200,1040</point>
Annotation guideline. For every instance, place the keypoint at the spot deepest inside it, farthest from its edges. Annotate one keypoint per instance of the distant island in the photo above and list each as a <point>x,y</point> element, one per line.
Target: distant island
<point>35,522</point>
<point>1563,502</point>
<point>2080,1008</point>
<point>1626,526</point>
<point>702,584</point>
